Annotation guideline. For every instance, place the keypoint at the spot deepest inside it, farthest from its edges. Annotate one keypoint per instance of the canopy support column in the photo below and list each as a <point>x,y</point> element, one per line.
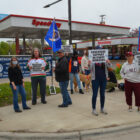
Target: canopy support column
<point>17,45</point>
<point>93,42</point>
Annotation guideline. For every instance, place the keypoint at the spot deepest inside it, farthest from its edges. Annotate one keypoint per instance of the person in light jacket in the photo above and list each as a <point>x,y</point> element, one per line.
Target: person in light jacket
<point>130,72</point>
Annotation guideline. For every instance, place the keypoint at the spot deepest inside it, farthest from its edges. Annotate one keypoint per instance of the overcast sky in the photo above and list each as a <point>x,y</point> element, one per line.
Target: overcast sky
<point>118,12</point>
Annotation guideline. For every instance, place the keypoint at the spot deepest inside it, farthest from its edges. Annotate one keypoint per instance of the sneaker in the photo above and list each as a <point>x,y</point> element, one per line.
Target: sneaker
<point>33,103</point>
<point>104,112</point>
<point>70,103</point>
<point>94,112</point>
<point>130,109</point>
<point>18,111</point>
<point>81,91</point>
<point>138,109</point>
<point>62,105</point>
<point>27,108</point>
<point>44,102</point>
<point>71,91</point>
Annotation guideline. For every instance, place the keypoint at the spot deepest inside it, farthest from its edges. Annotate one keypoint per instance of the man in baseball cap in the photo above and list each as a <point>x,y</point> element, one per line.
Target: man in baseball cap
<point>62,76</point>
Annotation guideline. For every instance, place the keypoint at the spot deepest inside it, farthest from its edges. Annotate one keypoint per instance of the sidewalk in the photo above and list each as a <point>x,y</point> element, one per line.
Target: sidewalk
<point>77,117</point>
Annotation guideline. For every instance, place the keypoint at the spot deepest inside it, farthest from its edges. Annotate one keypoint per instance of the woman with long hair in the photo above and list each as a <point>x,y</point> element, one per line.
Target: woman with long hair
<point>17,84</point>
<point>37,67</point>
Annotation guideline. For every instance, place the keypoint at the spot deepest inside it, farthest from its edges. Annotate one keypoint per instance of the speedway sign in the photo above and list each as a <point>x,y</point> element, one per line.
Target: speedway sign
<point>98,55</point>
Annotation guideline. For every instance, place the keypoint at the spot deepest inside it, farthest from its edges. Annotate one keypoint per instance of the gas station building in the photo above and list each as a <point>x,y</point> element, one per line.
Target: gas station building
<point>30,27</point>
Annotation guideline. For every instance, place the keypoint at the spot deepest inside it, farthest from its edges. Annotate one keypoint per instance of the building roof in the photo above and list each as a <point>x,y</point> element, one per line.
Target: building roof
<point>37,27</point>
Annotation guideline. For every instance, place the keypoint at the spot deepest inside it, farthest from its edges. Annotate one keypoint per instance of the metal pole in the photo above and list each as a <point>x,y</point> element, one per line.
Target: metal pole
<point>69,22</point>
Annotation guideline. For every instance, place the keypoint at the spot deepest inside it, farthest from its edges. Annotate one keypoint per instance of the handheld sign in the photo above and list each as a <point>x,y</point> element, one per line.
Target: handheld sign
<point>67,48</point>
<point>98,56</point>
<point>36,67</point>
<point>137,59</point>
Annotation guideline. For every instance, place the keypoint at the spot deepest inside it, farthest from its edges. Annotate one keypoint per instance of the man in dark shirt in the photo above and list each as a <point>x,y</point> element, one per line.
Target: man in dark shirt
<point>62,76</point>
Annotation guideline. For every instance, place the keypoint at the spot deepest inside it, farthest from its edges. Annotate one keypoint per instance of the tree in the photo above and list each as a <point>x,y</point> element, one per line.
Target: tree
<point>4,48</point>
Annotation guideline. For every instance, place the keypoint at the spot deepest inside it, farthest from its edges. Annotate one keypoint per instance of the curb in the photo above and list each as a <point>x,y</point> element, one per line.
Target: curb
<point>78,135</point>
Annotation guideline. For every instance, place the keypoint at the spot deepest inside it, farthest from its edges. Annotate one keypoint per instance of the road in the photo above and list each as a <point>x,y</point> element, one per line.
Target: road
<point>133,134</point>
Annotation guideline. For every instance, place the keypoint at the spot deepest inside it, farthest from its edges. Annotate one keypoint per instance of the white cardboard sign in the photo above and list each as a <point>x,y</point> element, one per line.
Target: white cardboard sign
<point>67,48</point>
<point>98,55</point>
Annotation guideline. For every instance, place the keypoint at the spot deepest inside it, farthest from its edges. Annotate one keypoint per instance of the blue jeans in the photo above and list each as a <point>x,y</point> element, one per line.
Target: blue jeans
<point>64,92</point>
<point>19,89</point>
<point>77,79</point>
<point>87,72</point>
<point>95,86</point>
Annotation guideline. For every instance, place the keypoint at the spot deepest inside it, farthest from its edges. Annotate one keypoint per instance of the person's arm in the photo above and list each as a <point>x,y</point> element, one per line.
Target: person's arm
<point>29,66</point>
<point>11,78</point>
<point>108,63</point>
<point>82,65</point>
<point>122,71</point>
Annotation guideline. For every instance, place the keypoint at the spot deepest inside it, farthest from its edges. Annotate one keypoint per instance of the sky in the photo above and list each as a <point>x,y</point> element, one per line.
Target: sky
<point>118,12</point>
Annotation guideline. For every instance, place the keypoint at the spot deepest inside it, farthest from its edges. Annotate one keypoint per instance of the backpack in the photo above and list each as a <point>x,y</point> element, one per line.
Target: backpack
<point>121,86</point>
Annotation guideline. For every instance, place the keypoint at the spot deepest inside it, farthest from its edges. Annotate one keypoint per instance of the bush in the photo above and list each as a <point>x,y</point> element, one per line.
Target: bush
<point>6,95</point>
<point>117,71</point>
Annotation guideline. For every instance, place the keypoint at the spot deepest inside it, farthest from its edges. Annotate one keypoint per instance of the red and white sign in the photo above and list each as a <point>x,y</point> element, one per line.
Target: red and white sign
<point>42,23</point>
<point>104,42</point>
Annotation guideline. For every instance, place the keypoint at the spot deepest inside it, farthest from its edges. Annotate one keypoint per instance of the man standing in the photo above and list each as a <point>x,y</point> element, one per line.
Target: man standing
<point>62,76</point>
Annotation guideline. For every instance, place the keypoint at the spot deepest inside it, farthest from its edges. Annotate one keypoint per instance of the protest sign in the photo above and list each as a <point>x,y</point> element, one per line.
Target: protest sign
<point>22,60</point>
<point>36,67</point>
<point>137,59</point>
<point>134,50</point>
<point>67,48</point>
<point>98,56</point>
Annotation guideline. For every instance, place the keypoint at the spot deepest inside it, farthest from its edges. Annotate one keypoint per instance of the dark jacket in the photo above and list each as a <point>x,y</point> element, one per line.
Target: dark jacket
<point>61,70</point>
<point>112,77</point>
<point>15,75</point>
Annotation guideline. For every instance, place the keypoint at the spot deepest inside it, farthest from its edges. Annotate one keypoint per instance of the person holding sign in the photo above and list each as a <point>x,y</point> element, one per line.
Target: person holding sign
<point>130,72</point>
<point>37,67</point>
<point>99,76</point>
<point>17,84</point>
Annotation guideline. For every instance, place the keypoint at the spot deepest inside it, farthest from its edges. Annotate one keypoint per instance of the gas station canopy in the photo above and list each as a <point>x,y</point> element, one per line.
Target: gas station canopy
<point>31,27</point>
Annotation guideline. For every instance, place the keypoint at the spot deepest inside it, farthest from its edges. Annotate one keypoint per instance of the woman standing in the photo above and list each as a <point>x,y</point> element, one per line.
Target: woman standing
<point>17,84</point>
<point>37,66</point>
<point>130,72</point>
<point>99,76</point>
<point>74,72</point>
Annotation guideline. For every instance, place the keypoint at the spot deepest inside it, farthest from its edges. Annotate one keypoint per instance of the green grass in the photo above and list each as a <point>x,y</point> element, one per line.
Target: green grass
<point>6,95</point>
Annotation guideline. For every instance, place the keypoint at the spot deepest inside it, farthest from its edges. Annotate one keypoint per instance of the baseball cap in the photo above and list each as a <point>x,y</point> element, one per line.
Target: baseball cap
<point>60,51</point>
<point>129,54</point>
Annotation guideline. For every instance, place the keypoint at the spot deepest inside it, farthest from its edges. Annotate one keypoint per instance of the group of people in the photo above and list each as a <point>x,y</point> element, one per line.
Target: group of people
<point>66,69</point>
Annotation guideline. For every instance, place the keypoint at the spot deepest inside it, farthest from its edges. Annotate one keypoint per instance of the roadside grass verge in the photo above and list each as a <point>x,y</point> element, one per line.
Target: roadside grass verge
<point>6,95</point>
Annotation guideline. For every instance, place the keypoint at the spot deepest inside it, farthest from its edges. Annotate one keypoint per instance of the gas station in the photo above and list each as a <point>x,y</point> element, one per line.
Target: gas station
<point>30,27</point>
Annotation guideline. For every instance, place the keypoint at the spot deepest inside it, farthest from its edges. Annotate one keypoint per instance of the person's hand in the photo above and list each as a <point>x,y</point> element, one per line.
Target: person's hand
<point>30,67</point>
<point>107,61</point>
<point>53,69</point>
<point>89,62</point>
<point>43,68</point>
<point>14,87</point>
<point>23,84</point>
<point>108,79</point>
